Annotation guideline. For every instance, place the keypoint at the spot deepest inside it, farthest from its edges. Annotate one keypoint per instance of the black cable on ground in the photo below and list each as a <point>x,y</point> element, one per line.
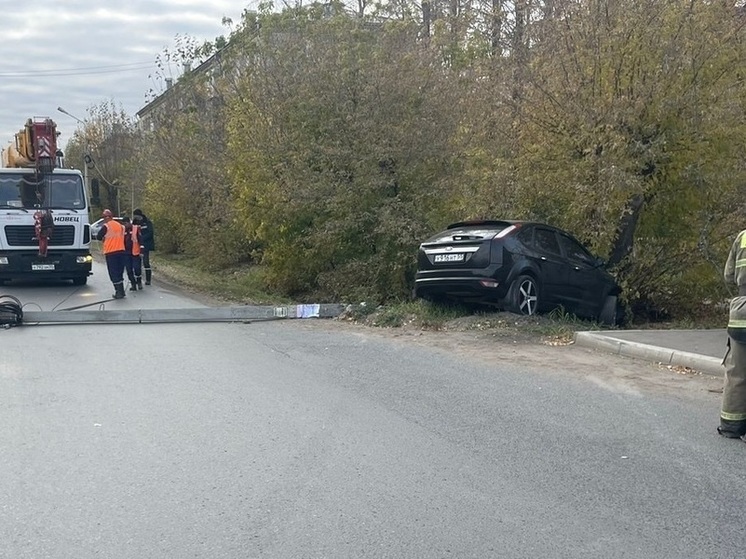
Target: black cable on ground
<point>11,311</point>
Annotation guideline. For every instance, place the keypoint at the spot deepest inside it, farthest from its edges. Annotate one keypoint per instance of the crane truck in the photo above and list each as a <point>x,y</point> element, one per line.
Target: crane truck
<point>44,226</point>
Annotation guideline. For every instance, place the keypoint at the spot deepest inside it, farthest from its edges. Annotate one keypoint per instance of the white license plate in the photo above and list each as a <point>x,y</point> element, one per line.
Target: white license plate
<point>42,267</point>
<point>449,257</point>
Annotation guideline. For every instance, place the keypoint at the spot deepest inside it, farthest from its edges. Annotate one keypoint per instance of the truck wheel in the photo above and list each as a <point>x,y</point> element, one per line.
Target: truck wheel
<point>81,280</point>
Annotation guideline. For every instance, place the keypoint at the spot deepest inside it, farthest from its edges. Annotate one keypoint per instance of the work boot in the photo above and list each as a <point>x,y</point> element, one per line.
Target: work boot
<point>119,291</point>
<point>139,282</point>
<point>732,429</point>
<point>148,276</point>
<point>133,287</point>
<point>728,434</point>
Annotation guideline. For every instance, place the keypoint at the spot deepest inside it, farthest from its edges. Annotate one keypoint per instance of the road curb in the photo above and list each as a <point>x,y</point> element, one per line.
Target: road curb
<point>702,363</point>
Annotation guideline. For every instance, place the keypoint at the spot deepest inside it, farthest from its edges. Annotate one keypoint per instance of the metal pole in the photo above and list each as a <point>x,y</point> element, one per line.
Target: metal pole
<point>85,175</point>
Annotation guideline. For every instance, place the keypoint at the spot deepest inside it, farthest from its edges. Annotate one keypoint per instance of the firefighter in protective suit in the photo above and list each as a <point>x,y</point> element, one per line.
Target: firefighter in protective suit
<point>733,411</point>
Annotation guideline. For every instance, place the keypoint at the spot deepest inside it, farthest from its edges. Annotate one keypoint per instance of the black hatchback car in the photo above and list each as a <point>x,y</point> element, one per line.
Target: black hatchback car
<point>521,266</point>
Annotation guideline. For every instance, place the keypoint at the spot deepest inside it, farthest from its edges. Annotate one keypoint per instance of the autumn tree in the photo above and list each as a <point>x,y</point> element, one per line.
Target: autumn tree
<point>340,146</point>
<point>634,136</point>
<point>326,142</point>
<point>107,142</point>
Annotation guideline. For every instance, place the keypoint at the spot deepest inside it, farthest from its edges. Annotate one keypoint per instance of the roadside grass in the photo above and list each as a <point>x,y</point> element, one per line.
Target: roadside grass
<point>556,327</point>
<point>241,284</point>
<point>707,318</point>
<point>417,313</point>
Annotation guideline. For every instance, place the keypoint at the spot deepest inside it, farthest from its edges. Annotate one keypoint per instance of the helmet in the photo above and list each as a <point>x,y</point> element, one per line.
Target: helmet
<point>107,213</point>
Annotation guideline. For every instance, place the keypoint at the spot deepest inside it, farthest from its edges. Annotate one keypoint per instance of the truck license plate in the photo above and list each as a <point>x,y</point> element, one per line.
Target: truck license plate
<point>42,267</point>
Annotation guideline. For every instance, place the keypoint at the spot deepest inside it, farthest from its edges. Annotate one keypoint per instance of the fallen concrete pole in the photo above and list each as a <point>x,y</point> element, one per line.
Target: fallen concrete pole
<point>201,314</point>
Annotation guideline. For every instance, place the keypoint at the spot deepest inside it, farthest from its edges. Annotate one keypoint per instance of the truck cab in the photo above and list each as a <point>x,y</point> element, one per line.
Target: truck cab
<point>60,193</point>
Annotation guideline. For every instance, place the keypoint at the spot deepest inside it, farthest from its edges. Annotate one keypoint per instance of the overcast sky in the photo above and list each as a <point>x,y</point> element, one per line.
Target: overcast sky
<point>76,54</point>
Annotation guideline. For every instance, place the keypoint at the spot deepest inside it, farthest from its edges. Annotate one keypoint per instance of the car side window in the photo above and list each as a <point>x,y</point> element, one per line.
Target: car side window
<point>545,240</point>
<point>575,251</point>
<point>524,235</point>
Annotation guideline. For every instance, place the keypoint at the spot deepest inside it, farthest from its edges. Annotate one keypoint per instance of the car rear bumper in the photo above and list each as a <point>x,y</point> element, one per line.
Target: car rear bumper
<point>482,288</point>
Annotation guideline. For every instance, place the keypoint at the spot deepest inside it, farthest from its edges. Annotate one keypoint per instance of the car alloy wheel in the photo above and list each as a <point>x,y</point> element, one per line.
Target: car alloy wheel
<point>524,297</point>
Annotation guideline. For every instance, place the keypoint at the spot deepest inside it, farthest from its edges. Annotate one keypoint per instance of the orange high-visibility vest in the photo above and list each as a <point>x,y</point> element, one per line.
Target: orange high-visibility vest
<point>135,233</point>
<point>114,238</point>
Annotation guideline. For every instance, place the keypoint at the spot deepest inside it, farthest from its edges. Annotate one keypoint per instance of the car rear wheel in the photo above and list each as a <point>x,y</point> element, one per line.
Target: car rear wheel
<point>523,296</point>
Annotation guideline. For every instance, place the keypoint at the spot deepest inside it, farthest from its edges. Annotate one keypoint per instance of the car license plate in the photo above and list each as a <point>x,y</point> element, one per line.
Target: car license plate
<point>42,267</point>
<point>449,257</point>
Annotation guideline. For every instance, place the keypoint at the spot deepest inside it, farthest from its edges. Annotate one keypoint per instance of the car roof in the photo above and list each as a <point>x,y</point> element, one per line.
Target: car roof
<point>503,223</point>
<point>495,223</point>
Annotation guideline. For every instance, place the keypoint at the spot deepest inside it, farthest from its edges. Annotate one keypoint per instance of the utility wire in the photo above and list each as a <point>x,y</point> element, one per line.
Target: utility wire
<point>79,71</point>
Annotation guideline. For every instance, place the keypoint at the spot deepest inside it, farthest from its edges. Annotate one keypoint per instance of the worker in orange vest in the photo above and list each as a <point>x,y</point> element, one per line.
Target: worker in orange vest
<point>112,235</point>
<point>132,244</point>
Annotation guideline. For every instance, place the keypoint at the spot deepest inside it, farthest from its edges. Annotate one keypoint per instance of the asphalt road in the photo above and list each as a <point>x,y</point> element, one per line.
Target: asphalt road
<point>299,439</point>
<point>63,296</point>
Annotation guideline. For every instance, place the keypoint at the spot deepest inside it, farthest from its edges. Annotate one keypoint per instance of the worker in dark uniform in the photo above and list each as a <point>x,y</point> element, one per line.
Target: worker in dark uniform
<point>148,241</point>
<point>733,410</point>
<point>136,259</point>
<point>132,243</point>
<point>112,235</point>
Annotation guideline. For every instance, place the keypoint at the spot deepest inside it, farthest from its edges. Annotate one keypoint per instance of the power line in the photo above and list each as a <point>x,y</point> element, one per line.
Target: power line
<point>79,71</point>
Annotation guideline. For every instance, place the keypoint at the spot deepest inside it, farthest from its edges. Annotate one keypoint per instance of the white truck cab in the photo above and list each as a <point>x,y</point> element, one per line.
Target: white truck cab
<point>60,193</point>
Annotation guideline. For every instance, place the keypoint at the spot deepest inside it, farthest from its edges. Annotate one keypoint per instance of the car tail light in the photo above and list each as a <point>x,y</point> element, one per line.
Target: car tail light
<point>489,283</point>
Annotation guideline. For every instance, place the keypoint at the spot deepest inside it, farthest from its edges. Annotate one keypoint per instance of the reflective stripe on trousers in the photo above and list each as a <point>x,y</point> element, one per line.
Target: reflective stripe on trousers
<point>734,387</point>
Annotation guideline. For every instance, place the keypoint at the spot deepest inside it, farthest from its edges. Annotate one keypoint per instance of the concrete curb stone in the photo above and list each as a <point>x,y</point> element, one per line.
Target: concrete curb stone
<point>664,356</point>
